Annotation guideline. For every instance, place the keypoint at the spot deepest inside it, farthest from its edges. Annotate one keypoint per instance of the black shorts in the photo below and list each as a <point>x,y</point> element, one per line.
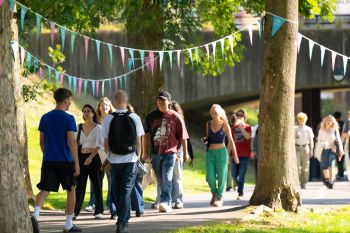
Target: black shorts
<point>55,173</point>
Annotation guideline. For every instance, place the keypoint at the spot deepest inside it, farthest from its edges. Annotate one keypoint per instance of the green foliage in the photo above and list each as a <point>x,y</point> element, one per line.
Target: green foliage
<point>29,92</point>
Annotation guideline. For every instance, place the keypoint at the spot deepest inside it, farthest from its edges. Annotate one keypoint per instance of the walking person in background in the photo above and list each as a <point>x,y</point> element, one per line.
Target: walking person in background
<point>167,130</point>
<point>328,141</point>
<point>241,132</point>
<point>230,181</point>
<point>345,139</point>
<point>340,163</point>
<point>304,145</point>
<point>217,156</point>
<point>254,147</point>
<point>60,156</point>
<point>122,139</point>
<point>89,144</point>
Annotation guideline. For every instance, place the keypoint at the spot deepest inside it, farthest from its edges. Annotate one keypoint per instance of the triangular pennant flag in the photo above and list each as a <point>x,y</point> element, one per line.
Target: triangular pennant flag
<point>116,84</point>
<point>93,87</point>
<point>103,88</point>
<point>110,49</point>
<point>28,60</point>
<point>207,50</point>
<point>122,54</point>
<point>57,77</point>
<point>110,86</point>
<point>334,55</point>
<point>12,6</point>
<point>63,36</point>
<point>260,27</point>
<point>72,39</point>
<point>151,60</point>
<point>161,57</point>
<point>85,86</point>
<point>250,30</point>
<point>129,64</point>
<point>345,63</point>
<point>23,14</point>
<point>124,80</point>
<point>61,79</point>
<point>230,39</point>
<point>38,25</point>
<point>41,73</point>
<point>311,46</point>
<point>300,37</point>
<point>170,53</point>
<point>75,85</point>
<point>36,63</point>
<point>86,42</point>
<point>323,49</point>
<point>97,88</point>
<point>1,2</point>
<point>142,58</point>
<point>52,31</point>
<point>178,53</point>
<point>23,54</point>
<point>131,52</point>
<point>14,45</point>
<point>214,49</point>
<point>49,69</point>
<point>196,53</point>
<point>80,83</point>
<point>277,22</point>
<point>70,82</point>
<point>98,46</point>
<point>222,44</point>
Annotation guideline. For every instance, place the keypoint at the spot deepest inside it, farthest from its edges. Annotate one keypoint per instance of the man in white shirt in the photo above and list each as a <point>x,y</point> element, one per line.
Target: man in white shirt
<point>304,145</point>
<point>121,155</point>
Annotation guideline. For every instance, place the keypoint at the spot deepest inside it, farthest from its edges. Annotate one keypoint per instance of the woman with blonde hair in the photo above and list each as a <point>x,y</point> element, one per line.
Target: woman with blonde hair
<point>217,156</point>
<point>328,142</point>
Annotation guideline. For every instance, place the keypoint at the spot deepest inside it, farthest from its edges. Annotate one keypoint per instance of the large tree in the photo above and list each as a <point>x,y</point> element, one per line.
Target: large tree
<point>13,200</point>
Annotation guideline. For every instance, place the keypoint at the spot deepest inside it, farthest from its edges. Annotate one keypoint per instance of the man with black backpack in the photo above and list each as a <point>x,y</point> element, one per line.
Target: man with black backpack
<point>122,139</point>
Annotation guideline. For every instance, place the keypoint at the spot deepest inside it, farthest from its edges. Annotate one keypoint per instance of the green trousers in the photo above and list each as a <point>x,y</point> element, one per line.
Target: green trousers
<point>216,163</point>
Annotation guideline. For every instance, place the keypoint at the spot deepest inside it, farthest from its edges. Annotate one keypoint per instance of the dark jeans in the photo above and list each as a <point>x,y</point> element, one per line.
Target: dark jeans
<point>239,171</point>
<point>93,172</point>
<point>341,167</point>
<point>123,178</point>
<point>137,197</point>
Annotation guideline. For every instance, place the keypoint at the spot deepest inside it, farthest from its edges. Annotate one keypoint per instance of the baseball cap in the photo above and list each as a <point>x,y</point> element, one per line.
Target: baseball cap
<point>164,95</point>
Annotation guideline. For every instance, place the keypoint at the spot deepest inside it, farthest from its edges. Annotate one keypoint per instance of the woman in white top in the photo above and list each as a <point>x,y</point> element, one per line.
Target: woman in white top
<point>89,143</point>
<point>327,140</point>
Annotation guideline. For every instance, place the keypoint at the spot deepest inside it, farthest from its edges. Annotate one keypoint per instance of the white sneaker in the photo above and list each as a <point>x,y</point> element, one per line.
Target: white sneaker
<point>99,216</point>
<point>164,207</point>
<point>89,208</point>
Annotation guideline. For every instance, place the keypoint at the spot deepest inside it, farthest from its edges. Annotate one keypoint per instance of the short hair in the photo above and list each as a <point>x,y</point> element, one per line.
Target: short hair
<point>337,115</point>
<point>120,97</point>
<point>302,116</point>
<point>61,94</point>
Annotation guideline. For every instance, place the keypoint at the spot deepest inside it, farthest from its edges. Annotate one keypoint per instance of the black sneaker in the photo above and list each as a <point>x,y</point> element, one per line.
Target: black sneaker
<point>35,224</point>
<point>74,228</point>
<point>228,188</point>
<point>138,214</point>
<point>121,229</point>
<point>114,216</point>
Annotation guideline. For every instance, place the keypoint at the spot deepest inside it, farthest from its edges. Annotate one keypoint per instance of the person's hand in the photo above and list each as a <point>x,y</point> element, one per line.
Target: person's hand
<point>88,161</point>
<point>252,155</point>
<point>185,157</point>
<point>190,164</point>
<point>236,159</point>
<point>144,157</point>
<point>76,169</point>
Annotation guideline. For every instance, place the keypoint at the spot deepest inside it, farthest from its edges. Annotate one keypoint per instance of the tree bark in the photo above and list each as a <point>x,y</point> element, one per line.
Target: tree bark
<point>13,199</point>
<point>278,183</point>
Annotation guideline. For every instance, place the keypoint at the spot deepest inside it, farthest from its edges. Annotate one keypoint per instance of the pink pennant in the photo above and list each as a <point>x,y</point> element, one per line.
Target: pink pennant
<point>86,40</point>
<point>40,73</point>
<point>61,79</point>
<point>23,54</point>
<point>207,50</point>
<point>334,55</point>
<point>97,88</point>
<point>116,84</point>
<point>52,31</point>
<point>1,2</point>
<point>80,83</point>
<point>122,53</point>
<point>151,60</point>
<point>178,53</point>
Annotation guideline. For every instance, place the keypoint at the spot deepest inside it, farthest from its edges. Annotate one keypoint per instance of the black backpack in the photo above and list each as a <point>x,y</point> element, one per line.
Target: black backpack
<point>122,134</point>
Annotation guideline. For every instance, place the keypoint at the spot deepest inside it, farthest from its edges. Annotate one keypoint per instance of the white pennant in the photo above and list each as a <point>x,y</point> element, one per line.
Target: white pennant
<point>178,52</point>
<point>207,50</point>
<point>300,37</point>
<point>214,49</point>
<point>323,49</point>
<point>230,39</point>
<point>14,46</point>
<point>222,43</point>
<point>250,29</point>
<point>311,46</point>
<point>334,55</point>
<point>345,63</point>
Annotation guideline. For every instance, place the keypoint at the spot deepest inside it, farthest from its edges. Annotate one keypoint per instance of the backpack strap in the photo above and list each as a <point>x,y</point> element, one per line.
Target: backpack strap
<point>80,128</point>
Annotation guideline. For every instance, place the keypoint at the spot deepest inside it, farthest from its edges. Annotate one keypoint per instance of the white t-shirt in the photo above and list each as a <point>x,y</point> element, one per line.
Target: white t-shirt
<point>92,140</point>
<point>254,128</point>
<point>129,158</point>
<point>303,135</point>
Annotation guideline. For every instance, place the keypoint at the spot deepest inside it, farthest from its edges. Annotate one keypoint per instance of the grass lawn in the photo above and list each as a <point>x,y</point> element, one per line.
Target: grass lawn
<point>335,220</point>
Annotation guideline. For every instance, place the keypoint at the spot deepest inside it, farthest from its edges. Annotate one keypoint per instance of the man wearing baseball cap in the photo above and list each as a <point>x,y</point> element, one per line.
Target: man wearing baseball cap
<point>165,130</point>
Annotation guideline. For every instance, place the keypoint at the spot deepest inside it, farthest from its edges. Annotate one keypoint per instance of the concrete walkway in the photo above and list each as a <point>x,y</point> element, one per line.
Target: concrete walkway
<point>196,212</point>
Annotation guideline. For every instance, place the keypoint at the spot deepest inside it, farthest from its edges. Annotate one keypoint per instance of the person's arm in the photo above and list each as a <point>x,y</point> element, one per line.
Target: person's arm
<point>138,146</point>
<point>97,147</point>
<point>74,150</point>
<point>145,142</point>
<point>42,142</point>
<point>231,144</point>
<point>246,134</point>
<point>184,148</point>
<point>311,139</point>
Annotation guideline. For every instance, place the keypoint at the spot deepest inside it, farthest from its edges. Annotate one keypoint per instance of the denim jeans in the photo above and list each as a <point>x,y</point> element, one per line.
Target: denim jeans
<point>123,179</point>
<point>163,166</point>
<point>137,197</point>
<point>110,204</point>
<point>176,194</point>
<point>239,171</point>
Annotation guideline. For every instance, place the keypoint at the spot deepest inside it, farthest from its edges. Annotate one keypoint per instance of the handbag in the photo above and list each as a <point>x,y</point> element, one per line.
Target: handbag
<point>338,152</point>
<point>141,170</point>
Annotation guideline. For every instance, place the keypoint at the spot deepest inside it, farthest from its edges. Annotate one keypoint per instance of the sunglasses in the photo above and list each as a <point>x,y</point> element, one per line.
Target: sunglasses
<point>239,115</point>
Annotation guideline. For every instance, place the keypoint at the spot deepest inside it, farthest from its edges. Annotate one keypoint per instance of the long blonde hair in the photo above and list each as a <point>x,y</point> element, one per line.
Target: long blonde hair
<point>335,124</point>
<point>104,99</point>
<point>220,111</point>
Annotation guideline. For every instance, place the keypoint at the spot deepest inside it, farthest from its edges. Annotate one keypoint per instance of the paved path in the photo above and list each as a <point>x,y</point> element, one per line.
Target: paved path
<point>196,212</point>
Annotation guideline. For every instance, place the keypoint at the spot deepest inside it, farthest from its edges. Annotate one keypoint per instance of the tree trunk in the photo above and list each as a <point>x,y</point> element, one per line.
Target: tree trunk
<point>143,84</point>
<point>13,199</point>
<point>278,183</point>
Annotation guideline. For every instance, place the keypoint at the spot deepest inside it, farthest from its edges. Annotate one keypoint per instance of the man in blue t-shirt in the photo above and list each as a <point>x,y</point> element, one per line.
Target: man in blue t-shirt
<point>60,156</point>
